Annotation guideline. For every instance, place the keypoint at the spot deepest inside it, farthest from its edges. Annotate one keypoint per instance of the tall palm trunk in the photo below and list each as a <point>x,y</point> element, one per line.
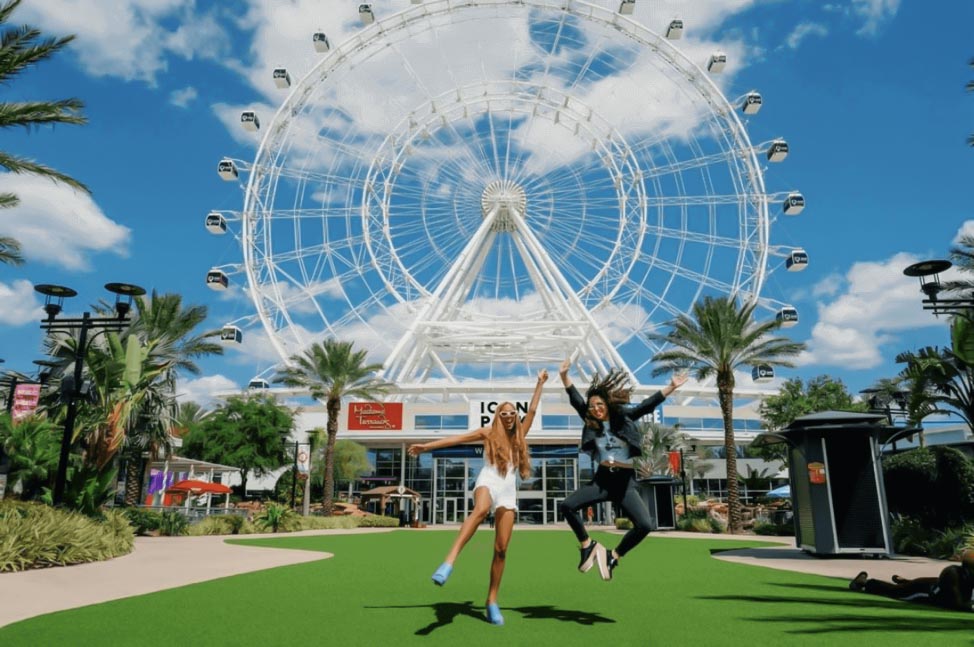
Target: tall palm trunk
<point>133,479</point>
<point>334,408</point>
<point>725,391</point>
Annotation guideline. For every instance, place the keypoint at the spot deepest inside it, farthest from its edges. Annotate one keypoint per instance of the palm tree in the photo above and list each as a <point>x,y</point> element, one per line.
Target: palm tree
<point>22,47</point>
<point>941,382</point>
<point>331,370</point>
<point>719,337</point>
<point>164,322</point>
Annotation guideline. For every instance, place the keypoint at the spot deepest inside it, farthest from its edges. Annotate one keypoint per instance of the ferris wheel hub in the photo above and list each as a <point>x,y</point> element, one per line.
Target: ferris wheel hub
<point>507,198</point>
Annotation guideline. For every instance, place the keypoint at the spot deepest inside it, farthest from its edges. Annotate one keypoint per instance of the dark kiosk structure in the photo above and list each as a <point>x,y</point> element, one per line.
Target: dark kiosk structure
<point>657,492</point>
<point>836,477</point>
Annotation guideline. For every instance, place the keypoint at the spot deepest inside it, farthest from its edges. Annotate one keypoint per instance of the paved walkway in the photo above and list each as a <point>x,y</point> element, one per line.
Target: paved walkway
<point>159,563</point>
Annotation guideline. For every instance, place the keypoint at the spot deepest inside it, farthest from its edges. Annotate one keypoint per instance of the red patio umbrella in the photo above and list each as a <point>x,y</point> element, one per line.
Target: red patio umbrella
<point>198,487</point>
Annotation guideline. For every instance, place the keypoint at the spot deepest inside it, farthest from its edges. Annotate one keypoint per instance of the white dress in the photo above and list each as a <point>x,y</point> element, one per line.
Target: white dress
<point>502,488</point>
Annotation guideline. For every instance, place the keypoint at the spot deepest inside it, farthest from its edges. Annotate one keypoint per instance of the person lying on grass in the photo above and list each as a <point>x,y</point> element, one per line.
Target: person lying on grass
<point>952,589</point>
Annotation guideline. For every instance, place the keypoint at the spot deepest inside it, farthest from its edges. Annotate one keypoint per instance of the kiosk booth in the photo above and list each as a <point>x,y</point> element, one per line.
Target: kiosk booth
<point>657,493</point>
<point>836,475</point>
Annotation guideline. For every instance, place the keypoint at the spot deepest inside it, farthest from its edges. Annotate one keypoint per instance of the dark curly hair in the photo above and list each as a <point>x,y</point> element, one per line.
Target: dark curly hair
<point>614,388</point>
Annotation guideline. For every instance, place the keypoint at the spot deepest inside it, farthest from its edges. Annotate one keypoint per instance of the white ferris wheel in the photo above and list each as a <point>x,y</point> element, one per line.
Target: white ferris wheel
<point>473,189</point>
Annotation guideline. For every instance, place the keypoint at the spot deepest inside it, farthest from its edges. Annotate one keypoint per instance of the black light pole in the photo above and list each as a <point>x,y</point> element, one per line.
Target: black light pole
<point>53,303</point>
<point>683,476</point>
<point>294,475</point>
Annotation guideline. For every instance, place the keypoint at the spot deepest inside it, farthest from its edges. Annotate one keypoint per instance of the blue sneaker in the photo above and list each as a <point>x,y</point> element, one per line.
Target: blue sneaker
<point>494,616</point>
<point>442,573</point>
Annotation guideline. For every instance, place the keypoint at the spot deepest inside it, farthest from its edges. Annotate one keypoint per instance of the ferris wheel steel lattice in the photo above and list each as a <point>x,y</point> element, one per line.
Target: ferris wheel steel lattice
<point>470,190</point>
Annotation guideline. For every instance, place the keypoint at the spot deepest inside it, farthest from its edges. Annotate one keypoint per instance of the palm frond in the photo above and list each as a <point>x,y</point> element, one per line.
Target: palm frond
<point>10,251</point>
<point>38,113</point>
<point>16,164</point>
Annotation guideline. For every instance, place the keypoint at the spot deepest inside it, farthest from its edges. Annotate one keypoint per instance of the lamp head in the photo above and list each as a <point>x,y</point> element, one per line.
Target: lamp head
<point>54,296</point>
<point>124,293</point>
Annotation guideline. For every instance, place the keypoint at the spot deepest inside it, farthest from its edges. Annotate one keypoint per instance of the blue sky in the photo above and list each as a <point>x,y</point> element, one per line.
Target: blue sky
<point>869,95</point>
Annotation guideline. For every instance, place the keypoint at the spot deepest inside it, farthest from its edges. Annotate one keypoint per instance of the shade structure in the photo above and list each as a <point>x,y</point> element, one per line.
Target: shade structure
<point>783,492</point>
<point>198,487</point>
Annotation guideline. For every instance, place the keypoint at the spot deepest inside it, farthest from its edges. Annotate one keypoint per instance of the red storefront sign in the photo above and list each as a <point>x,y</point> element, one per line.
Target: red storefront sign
<point>674,462</point>
<point>375,416</point>
<point>26,397</point>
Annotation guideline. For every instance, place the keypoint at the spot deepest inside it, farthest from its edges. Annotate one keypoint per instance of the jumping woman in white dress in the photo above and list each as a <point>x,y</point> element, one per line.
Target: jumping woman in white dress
<point>505,454</point>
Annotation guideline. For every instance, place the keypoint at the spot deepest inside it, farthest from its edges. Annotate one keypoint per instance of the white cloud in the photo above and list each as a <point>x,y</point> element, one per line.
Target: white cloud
<point>875,14</point>
<point>58,225</point>
<point>129,39</point>
<point>19,304</point>
<point>829,286</point>
<point>183,97</point>
<point>803,31</point>
<point>966,229</point>
<point>204,390</point>
<point>878,302</point>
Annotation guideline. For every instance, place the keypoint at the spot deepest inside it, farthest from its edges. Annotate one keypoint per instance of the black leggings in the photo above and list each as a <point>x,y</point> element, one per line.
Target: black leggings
<point>618,487</point>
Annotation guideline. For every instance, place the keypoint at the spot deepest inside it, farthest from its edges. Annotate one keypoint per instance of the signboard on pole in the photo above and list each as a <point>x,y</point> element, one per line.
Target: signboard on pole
<point>26,397</point>
<point>304,462</point>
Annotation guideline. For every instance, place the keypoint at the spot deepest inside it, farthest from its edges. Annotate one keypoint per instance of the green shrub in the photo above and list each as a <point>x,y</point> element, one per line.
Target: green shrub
<point>949,543</point>
<point>38,536</point>
<point>934,485</point>
<point>172,524</point>
<point>910,537</point>
<point>222,524</point>
<point>377,521</point>
<point>343,522</point>
<point>623,524</point>
<point>143,521</point>
<point>775,529</point>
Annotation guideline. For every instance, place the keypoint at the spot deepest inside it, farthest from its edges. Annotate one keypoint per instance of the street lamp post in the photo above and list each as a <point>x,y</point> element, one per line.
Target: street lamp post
<point>683,477</point>
<point>929,274</point>
<point>54,296</point>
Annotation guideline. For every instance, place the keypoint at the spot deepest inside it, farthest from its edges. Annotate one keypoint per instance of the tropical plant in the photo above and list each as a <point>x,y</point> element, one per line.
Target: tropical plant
<point>658,441</point>
<point>22,47</point>
<point>276,517</point>
<point>717,338</point>
<point>351,461</point>
<point>32,447</point>
<point>87,490</point>
<point>332,370</point>
<point>940,382</point>
<point>169,327</point>
<point>246,432</point>
<point>39,536</point>
<point>172,524</point>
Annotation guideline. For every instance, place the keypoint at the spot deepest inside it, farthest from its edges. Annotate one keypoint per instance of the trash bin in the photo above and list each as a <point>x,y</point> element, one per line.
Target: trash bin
<point>837,490</point>
<point>657,493</point>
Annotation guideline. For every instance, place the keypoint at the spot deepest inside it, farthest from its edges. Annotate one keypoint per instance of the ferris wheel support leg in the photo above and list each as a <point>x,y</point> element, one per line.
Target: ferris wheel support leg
<point>557,281</point>
<point>448,287</point>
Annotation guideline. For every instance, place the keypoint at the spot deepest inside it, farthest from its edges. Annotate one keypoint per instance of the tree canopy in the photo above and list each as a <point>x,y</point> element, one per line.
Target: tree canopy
<point>247,432</point>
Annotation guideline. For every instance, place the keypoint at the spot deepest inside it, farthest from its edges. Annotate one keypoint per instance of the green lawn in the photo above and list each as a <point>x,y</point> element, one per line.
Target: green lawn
<point>377,591</point>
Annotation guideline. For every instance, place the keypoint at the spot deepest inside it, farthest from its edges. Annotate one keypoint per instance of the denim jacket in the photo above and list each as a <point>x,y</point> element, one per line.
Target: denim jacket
<point>623,424</point>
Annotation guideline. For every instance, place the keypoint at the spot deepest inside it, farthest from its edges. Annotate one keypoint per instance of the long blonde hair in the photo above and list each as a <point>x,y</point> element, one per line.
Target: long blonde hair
<point>493,444</point>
